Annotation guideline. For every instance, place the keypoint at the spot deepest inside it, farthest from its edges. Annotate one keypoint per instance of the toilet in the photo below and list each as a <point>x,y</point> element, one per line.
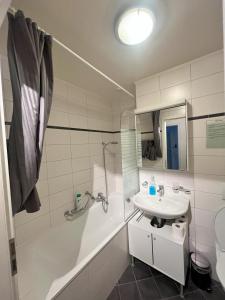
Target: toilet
<point>220,245</point>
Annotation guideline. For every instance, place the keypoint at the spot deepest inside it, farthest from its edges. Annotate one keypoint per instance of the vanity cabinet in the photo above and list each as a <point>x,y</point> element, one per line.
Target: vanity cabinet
<point>158,248</point>
<point>140,244</point>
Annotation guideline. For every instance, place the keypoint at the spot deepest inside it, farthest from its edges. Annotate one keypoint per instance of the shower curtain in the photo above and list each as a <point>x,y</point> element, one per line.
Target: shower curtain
<point>31,73</point>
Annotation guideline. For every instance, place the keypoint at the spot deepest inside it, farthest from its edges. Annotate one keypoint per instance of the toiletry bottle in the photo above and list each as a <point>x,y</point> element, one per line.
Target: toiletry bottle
<point>152,187</point>
<point>145,188</point>
<point>77,199</point>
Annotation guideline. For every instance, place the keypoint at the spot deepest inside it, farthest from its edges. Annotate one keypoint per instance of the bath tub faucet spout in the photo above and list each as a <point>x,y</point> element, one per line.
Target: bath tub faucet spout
<point>70,215</point>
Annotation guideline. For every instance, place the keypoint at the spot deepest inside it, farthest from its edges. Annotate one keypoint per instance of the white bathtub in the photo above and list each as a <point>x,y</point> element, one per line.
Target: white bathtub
<point>56,258</point>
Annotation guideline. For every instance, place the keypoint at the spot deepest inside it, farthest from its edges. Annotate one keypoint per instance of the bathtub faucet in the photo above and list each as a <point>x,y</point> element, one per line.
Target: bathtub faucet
<point>71,214</point>
<point>101,198</point>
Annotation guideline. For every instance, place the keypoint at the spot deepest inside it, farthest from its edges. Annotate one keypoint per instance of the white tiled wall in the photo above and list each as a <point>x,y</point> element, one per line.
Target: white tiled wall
<point>72,160</point>
<point>201,82</point>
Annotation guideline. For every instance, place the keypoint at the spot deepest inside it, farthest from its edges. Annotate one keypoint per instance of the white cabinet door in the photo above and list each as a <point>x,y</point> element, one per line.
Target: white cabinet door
<point>140,244</point>
<point>168,257</point>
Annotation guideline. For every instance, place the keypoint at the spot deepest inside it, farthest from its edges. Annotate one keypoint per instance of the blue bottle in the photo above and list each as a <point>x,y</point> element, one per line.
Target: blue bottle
<point>152,187</point>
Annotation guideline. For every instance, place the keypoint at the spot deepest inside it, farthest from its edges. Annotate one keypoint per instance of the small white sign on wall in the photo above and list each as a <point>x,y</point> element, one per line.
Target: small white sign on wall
<point>215,133</point>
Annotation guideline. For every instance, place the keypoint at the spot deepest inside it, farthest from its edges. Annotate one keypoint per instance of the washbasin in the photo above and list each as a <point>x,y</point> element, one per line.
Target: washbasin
<point>162,207</point>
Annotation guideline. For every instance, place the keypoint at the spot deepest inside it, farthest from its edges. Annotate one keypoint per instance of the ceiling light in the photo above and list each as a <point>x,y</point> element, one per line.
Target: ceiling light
<point>135,26</point>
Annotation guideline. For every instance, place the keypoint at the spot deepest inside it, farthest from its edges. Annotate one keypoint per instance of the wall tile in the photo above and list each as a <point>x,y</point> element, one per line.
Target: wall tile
<point>8,110</point>
<point>207,65</point>
<point>81,177</point>
<point>176,93</point>
<point>81,164</point>
<point>208,201</point>
<point>57,137</point>
<point>59,104</point>
<point>58,152</point>
<point>24,217</point>
<point>43,171</point>
<point>42,188</point>
<point>95,149</point>
<point>60,88</point>
<point>58,118</point>
<point>197,128</point>
<point>7,90</point>
<point>205,236</point>
<point>208,85</point>
<point>78,151</point>
<point>175,76</point>
<point>199,147</point>
<point>78,137</point>
<point>61,198</point>
<point>77,121</point>
<point>37,226</point>
<point>147,86</point>
<point>204,218</point>
<point>203,105</point>
<point>57,215</point>
<point>207,165</point>
<point>60,183</point>
<point>58,168</point>
<point>210,183</point>
<point>95,137</point>
<point>149,100</point>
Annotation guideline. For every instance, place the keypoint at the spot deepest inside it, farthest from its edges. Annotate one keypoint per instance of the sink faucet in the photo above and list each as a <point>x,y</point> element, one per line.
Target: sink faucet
<point>161,190</point>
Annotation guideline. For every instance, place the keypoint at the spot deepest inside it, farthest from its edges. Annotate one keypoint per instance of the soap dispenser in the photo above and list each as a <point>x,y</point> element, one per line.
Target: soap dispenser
<point>152,187</point>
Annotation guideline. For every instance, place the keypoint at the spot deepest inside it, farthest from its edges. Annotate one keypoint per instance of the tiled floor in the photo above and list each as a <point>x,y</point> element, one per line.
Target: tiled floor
<point>141,282</point>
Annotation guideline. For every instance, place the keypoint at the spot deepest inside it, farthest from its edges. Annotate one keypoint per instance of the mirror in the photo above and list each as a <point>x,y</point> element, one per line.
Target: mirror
<point>164,136</point>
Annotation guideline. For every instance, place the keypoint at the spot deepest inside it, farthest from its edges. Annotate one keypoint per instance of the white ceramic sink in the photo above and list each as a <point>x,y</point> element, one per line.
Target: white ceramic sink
<point>162,207</point>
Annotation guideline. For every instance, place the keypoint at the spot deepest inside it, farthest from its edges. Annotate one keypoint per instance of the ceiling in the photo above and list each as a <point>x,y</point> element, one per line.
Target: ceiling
<point>185,30</point>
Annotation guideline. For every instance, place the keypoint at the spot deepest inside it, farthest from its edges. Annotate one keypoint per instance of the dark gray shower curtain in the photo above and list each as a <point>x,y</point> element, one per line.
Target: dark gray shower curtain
<point>31,73</point>
<point>156,128</point>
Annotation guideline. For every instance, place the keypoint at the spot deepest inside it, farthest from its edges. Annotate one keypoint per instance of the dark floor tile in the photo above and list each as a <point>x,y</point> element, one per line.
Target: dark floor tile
<point>142,271</point>
<point>189,286</point>
<point>166,286</point>
<point>156,272</point>
<point>197,295</point>
<point>114,294</point>
<point>129,291</point>
<point>174,298</point>
<point>216,294</point>
<point>148,289</point>
<point>128,276</point>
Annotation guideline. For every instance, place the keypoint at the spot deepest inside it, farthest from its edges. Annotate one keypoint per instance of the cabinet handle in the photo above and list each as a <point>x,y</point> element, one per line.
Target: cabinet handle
<point>148,236</point>
<point>154,239</point>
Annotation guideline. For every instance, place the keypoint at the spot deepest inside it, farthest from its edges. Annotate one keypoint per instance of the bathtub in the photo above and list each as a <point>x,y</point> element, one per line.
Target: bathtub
<point>71,253</point>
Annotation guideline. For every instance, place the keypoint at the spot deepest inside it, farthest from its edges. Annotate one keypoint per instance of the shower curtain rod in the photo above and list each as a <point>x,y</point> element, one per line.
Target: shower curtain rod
<point>13,10</point>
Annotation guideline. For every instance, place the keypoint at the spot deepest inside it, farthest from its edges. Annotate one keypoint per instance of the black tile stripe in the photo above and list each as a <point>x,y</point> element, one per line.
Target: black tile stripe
<point>105,131</point>
<point>207,116</point>
<point>145,132</point>
<point>74,128</point>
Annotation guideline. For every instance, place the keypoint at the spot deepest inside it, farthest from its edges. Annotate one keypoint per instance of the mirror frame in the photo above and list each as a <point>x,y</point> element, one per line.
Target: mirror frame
<point>151,109</point>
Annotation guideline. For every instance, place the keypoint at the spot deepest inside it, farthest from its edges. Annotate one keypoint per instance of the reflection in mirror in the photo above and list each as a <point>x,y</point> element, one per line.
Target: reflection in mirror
<point>164,138</point>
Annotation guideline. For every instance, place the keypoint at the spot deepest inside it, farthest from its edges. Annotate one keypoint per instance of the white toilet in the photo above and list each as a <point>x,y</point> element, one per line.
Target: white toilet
<point>220,245</point>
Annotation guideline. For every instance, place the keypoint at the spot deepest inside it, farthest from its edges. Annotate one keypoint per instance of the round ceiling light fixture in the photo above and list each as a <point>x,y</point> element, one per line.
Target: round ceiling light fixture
<point>135,26</point>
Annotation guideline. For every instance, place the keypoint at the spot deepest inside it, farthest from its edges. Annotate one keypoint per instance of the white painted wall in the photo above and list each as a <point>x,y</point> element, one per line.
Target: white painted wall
<point>201,82</point>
